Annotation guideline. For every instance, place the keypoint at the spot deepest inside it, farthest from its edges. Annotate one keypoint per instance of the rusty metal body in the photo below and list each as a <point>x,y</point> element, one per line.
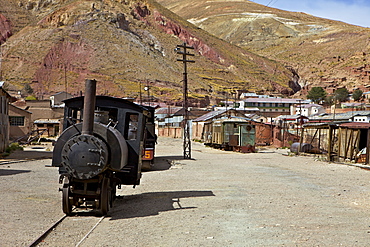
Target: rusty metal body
<point>232,134</point>
<point>101,147</point>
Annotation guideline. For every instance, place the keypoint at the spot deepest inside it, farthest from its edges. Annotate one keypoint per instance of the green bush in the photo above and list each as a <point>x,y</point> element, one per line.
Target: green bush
<point>4,154</point>
<point>31,97</point>
<point>12,147</point>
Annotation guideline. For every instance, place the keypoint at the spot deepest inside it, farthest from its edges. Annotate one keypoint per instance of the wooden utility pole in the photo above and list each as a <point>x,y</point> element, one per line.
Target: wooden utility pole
<point>1,57</point>
<point>182,50</point>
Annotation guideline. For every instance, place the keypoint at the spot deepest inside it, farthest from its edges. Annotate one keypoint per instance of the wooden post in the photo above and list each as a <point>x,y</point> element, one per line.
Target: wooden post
<point>319,139</point>
<point>301,140</point>
<point>330,142</point>
<point>339,142</point>
<point>368,147</point>
<point>346,145</point>
<point>355,145</point>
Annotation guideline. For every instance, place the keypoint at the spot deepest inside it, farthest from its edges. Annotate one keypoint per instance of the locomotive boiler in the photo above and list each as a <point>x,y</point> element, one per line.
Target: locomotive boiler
<point>102,146</point>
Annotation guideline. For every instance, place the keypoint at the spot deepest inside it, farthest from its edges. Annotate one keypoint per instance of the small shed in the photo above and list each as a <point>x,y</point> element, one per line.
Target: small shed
<point>322,137</point>
<point>339,141</point>
<point>53,126</point>
<point>199,127</point>
<point>352,139</point>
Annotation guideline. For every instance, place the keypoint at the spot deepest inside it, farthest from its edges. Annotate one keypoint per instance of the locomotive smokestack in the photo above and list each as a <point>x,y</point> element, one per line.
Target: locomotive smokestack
<point>89,107</point>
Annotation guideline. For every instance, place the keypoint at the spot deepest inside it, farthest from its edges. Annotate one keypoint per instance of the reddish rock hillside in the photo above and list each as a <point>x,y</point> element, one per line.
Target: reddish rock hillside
<point>5,29</point>
<point>123,44</point>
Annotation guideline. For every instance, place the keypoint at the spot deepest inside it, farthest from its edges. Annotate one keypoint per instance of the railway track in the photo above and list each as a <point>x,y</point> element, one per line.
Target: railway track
<point>68,231</point>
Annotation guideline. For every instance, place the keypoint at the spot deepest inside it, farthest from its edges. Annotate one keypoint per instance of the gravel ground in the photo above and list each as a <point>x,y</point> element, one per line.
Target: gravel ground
<point>217,199</point>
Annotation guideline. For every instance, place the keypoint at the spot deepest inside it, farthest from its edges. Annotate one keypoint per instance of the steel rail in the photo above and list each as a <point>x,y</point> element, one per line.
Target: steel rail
<point>43,235</point>
<point>92,229</point>
<point>46,233</point>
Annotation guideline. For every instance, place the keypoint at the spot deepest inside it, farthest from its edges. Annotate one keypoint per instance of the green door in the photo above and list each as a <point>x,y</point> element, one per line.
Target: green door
<point>247,134</point>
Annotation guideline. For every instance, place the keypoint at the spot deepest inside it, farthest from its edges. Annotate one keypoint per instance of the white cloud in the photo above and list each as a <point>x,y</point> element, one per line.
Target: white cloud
<point>350,11</point>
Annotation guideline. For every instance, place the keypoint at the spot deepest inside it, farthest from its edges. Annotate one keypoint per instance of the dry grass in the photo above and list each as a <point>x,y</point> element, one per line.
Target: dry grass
<point>69,41</point>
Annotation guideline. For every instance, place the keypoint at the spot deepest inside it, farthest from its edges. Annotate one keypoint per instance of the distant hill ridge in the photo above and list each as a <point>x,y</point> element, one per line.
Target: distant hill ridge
<point>322,52</point>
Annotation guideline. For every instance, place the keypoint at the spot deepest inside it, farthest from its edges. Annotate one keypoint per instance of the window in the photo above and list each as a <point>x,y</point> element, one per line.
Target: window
<point>132,121</point>
<point>16,121</point>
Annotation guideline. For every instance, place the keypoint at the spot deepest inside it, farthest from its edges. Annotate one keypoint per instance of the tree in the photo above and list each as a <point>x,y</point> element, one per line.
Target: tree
<point>341,94</point>
<point>316,94</point>
<point>357,94</point>
<point>28,89</point>
<point>330,100</point>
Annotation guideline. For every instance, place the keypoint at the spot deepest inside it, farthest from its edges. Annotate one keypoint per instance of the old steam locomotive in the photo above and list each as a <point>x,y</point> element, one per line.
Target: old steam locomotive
<point>104,143</point>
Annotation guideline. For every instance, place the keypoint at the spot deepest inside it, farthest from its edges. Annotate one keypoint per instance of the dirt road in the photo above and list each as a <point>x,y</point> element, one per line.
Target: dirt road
<point>217,199</point>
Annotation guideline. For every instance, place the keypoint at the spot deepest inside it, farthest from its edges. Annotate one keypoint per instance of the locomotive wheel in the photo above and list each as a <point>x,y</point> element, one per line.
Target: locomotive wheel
<point>67,206</point>
<point>113,194</point>
<point>105,197</point>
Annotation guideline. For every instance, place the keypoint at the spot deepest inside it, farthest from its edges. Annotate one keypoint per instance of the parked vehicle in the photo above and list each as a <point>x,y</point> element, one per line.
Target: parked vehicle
<point>231,134</point>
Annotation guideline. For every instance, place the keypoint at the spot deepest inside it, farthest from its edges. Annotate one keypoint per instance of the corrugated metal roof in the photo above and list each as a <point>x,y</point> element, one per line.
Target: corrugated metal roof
<point>319,125</point>
<point>341,116</point>
<point>41,121</point>
<point>168,110</point>
<point>20,108</point>
<point>286,117</point>
<point>356,125</point>
<point>209,116</point>
<point>308,106</point>
<point>233,119</point>
<point>276,100</point>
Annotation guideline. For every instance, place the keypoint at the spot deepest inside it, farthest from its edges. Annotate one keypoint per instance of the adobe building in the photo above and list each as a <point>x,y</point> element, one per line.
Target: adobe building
<point>20,123</point>
<point>44,116</point>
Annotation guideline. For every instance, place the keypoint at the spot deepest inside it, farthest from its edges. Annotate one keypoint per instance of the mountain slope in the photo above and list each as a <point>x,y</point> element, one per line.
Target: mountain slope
<point>57,44</point>
<point>322,52</point>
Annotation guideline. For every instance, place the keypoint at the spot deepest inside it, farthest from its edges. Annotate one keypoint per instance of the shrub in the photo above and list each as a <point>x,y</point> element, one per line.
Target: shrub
<point>12,147</point>
<point>31,97</point>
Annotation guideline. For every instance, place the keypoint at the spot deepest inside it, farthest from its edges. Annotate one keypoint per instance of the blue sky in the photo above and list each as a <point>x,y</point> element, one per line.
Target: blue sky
<point>356,12</point>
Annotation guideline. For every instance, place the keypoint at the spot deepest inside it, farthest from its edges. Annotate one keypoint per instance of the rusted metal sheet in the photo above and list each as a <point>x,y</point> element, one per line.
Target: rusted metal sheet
<point>355,125</point>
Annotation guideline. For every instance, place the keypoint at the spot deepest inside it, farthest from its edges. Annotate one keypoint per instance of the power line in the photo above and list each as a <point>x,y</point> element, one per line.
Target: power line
<point>267,5</point>
<point>183,51</point>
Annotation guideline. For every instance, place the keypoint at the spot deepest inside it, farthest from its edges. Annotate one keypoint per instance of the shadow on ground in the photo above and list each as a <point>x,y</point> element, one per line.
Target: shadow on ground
<point>28,155</point>
<point>9,172</point>
<point>149,204</point>
<point>162,163</point>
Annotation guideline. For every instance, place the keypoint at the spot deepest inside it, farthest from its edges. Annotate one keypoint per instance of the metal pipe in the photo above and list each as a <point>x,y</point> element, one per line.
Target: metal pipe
<point>89,107</point>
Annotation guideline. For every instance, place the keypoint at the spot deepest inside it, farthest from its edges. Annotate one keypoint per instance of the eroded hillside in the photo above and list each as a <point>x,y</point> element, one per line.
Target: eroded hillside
<point>322,52</point>
<point>56,44</point>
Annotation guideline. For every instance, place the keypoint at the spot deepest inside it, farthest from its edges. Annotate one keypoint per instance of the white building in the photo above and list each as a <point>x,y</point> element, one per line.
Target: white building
<point>308,109</point>
<point>364,118</point>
